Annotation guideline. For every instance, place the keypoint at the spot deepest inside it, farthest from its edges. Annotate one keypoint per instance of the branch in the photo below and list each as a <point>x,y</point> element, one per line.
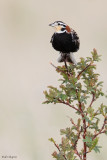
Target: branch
<point>84,126</point>
<point>77,153</point>
<point>84,136</point>
<point>55,67</point>
<point>80,106</point>
<point>93,99</point>
<point>60,69</point>
<point>69,105</point>
<point>101,130</point>
<point>78,137</point>
<point>96,113</point>
<point>68,73</point>
<point>74,124</point>
<point>78,76</point>
<point>56,145</point>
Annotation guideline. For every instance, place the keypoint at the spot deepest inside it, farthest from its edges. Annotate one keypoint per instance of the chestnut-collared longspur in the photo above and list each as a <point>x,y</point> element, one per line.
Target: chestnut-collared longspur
<point>65,40</point>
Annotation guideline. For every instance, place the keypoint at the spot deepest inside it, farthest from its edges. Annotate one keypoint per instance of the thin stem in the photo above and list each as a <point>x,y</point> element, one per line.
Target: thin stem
<point>84,143</point>
<point>69,105</point>
<point>101,130</point>
<point>84,127</point>
<point>58,69</point>
<point>77,153</point>
<point>78,76</point>
<point>56,145</point>
<point>78,137</point>
<point>74,124</point>
<point>93,99</point>
<point>84,132</point>
<point>95,137</point>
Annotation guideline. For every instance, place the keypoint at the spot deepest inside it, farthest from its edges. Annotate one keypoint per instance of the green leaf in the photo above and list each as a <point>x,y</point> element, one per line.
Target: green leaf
<point>106,132</point>
<point>51,140</point>
<point>100,83</point>
<point>95,55</point>
<point>93,143</point>
<point>63,132</point>
<point>87,139</point>
<point>79,122</point>
<point>90,111</point>
<point>97,149</point>
<point>87,119</point>
<point>63,97</point>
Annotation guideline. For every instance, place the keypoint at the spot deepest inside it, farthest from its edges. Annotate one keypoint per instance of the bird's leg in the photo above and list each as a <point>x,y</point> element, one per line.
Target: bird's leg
<point>68,71</point>
<point>66,66</point>
<point>63,58</point>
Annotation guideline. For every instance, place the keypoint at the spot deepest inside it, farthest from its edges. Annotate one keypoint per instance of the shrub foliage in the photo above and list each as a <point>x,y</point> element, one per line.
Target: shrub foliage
<point>79,88</point>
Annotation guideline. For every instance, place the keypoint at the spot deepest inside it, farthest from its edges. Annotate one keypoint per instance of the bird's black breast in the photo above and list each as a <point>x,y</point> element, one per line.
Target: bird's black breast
<point>65,42</point>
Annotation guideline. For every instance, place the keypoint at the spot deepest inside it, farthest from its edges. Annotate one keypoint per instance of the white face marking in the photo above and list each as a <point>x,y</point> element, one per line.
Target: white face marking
<point>60,31</point>
<point>58,25</point>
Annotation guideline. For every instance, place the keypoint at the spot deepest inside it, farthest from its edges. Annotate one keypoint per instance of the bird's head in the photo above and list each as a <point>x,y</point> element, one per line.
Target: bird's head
<point>60,27</point>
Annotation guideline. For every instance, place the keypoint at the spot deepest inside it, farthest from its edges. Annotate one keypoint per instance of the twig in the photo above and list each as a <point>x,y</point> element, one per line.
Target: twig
<point>60,69</point>
<point>74,124</point>
<point>79,133</point>
<point>69,74</point>
<point>96,113</point>
<point>78,137</point>
<point>77,153</point>
<point>78,76</point>
<point>95,137</point>
<point>80,106</point>
<point>56,145</point>
<point>93,99</point>
<point>57,68</point>
<point>101,130</point>
<point>68,105</point>
<point>84,125</point>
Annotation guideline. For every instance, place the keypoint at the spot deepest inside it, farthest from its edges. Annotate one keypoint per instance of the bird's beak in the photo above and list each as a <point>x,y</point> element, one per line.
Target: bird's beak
<point>52,25</point>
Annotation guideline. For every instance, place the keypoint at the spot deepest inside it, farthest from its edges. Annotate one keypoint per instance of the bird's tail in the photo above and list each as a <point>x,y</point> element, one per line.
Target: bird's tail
<point>68,57</point>
<point>73,58</point>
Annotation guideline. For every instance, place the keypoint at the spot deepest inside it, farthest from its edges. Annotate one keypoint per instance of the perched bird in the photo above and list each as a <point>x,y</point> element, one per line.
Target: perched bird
<point>65,40</point>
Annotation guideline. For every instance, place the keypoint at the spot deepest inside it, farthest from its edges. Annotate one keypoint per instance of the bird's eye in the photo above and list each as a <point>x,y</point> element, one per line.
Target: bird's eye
<point>58,24</point>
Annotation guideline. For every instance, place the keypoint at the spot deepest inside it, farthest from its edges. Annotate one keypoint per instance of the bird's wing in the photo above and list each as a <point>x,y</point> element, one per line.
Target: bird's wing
<point>75,37</point>
<point>51,39</point>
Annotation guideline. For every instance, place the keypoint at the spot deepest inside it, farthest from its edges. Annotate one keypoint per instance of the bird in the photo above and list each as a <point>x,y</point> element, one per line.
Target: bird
<point>66,41</point>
